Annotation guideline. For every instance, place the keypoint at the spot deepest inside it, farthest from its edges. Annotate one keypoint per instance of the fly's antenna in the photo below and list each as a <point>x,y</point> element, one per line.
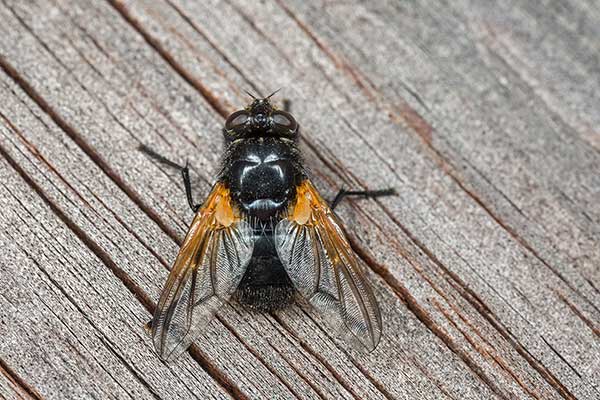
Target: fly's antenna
<point>250,94</point>
<point>272,94</point>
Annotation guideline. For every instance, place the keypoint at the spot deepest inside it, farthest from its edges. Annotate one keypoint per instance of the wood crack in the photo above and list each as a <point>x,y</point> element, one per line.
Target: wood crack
<point>339,62</point>
<point>425,318</point>
<point>254,27</point>
<point>179,69</point>
<point>595,329</point>
<point>214,46</point>
<point>316,355</point>
<point>362,369</point>
<point>258,357</point>
<point>288,332</point>
<point>18,382</point>
<point>487,353</point>
<point>38,155</point>
<point>438,384</point>
<point>469,295</point>
<point>83,145</point>
<point>304,378</point>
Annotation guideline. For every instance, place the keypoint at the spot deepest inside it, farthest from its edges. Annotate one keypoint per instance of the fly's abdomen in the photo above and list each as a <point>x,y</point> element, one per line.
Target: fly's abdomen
<point>265,285</point>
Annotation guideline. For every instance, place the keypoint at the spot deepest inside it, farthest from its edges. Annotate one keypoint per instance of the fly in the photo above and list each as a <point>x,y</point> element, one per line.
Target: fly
<point>263,237</point>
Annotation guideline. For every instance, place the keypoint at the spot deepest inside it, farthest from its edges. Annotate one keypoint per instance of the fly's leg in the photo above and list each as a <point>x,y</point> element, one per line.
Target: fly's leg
<point>370,194</point>
<point>161,159</point>
<point>287,105</point>
<point>185,173</point>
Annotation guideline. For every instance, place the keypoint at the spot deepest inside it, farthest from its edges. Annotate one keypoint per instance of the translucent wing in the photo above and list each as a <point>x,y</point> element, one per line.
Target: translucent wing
<point>208,268</point>
<point>324,269</point>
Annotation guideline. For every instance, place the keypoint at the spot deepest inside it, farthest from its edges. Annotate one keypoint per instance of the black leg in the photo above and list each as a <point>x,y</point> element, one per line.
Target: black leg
<point>363,193</point>
<point>185,173</point>
<point>161,159</point>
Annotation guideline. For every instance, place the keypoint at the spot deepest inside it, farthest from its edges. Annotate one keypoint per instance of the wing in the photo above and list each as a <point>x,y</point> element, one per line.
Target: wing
<point>207,270</point>
<point>324,269</point>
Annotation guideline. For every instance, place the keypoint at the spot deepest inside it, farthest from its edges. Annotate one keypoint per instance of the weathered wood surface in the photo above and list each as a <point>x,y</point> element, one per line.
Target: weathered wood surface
<point>484,116</point>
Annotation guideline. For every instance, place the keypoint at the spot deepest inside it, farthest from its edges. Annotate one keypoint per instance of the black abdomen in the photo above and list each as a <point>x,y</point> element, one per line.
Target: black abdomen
<point>265,285</point>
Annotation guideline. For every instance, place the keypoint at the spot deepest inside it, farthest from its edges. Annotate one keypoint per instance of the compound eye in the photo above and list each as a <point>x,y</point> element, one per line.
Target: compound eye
<point>237,120</point>
<point>284,121</point>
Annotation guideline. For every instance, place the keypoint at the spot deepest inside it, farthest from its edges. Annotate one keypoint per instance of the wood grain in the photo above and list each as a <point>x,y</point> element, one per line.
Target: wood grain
<point>482,116</point>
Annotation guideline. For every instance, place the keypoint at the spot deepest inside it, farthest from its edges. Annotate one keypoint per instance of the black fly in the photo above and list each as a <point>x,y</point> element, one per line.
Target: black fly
<point>263,236</point>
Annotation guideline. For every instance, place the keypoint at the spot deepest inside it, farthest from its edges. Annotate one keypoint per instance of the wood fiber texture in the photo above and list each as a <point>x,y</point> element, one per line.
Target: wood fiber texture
<point>483,115</point>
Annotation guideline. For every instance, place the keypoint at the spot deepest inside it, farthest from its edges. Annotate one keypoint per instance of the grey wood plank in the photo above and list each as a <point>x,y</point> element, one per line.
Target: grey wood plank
<point>353,379</point>
<point>471,311</point>
<point>9,390</point>
<point>552,50</point>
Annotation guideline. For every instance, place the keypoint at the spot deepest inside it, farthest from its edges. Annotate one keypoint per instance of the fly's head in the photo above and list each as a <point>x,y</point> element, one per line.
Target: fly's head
<point>260,119</point>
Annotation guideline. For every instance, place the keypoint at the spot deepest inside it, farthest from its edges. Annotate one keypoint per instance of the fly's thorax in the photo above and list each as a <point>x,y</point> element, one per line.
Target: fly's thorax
<point>262,175</point>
